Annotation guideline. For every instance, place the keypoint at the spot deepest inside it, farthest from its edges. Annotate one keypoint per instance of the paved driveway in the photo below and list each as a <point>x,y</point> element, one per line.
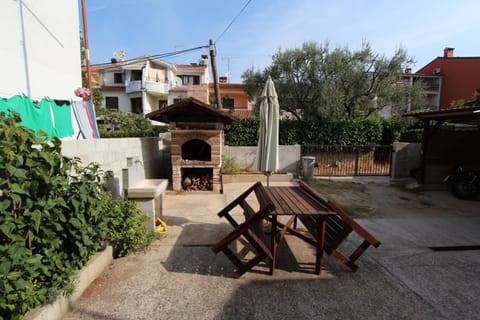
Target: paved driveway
<point>179,277</point>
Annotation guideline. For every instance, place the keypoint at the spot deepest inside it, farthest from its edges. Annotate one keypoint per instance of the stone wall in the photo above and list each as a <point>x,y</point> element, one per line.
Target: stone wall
<point>112,154</point>
<point>155,156</point>
<point>289,158</point>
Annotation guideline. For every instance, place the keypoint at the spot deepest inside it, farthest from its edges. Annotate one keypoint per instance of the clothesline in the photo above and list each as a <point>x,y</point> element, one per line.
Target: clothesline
<point>50,118</point>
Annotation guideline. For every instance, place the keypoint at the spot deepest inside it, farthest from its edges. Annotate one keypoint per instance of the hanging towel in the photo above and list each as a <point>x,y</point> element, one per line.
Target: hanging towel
<point>93,118</point>
<point>83,120</point>
<point>62,119</point>
<point>34,116</point>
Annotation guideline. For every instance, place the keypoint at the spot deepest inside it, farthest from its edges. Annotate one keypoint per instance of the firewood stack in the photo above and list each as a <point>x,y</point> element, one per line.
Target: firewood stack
<point>203,183</point>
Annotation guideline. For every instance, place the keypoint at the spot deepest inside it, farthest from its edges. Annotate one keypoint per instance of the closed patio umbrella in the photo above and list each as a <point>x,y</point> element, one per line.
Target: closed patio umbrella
<point>267,148</point>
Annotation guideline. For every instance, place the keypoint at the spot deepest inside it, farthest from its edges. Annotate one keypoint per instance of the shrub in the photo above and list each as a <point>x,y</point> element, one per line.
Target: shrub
<point>126,226</point>
<point>365,131</point>
<point>53,214</point>
<point>126,124</point>
<point>229,166</point>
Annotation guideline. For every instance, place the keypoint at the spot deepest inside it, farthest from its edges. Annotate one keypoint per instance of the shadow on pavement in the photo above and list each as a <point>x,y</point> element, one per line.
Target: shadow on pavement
<point>192,253</point>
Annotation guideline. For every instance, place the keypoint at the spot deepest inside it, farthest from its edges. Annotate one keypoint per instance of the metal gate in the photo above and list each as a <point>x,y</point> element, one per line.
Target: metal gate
<point>350,160</point>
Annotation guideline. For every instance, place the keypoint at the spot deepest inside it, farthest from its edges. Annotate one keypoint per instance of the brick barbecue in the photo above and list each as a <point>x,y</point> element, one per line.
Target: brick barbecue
<point>196,147</point>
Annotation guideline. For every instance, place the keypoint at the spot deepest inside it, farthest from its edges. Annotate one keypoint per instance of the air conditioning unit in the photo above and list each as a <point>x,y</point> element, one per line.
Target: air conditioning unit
<point>437,71</point>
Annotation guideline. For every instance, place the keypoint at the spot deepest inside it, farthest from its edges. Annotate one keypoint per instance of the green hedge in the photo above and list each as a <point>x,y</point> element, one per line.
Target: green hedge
<point>370,131</point>
<point>54,213</point>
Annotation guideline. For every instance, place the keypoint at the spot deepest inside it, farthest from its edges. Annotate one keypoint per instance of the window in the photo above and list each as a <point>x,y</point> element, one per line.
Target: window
<point>117,77</point>
<point>228,103</point>
<point>190,79</point>
<point>111,103</point>
<point>136,75</point>
<point>162,104</point>
<point>136,105</point>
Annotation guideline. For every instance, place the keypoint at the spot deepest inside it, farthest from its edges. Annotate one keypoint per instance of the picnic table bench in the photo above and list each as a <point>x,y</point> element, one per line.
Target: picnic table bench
<point>327,225</point>
<point>252,229</point>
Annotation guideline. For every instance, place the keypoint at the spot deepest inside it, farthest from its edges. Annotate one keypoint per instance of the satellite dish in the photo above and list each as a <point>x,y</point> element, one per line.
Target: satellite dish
<point>119,55</point>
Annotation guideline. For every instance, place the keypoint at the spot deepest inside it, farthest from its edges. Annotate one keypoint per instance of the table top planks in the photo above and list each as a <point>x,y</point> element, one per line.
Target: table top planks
<point>293,200</point>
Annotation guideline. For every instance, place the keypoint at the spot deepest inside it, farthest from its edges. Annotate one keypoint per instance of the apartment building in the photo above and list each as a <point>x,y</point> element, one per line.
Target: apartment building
<point>448,79</point>
<point>145,84</point>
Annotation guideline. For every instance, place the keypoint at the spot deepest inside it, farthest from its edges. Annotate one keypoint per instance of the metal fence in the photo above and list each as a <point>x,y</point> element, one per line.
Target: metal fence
<point>350,160</point>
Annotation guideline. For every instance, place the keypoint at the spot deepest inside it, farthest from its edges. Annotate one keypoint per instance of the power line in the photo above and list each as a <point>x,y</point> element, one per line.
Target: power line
<point>233,20</point>
<point>155,56</point>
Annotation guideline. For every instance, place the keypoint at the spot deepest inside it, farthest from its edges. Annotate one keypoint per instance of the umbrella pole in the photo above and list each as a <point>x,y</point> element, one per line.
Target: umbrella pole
<point>268,174</point>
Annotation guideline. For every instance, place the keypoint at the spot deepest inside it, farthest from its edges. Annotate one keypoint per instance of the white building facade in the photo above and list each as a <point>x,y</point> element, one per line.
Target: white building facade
<point>146,84</point>
<point>40,49</point>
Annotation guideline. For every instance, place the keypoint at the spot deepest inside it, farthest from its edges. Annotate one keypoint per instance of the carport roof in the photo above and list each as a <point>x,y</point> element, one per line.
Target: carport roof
<point>467,115</point>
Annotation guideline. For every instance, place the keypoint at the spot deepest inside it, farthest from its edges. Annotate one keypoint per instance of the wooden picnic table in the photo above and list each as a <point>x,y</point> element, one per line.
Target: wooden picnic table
<point>295,201</point>
<point>327,225</point>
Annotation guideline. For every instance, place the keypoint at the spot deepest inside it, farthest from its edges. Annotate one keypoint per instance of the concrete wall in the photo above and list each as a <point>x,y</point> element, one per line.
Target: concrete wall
<point>406,156</point>
<point>155,155</point>
<point>40,49</point>
<point>112,155</point>
<point>289,157</point>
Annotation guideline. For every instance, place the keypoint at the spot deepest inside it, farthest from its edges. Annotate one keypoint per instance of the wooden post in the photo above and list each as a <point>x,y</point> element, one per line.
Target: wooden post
<point>87,50</point>
<point>215,75</point>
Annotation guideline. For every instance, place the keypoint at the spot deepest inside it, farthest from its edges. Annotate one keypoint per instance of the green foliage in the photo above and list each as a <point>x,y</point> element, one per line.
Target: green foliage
<point>369,131</point>
<point>52,218</point>
<point>97,97</point>
<point>242,132</point>
<point>314,82</point>
<point>125,226</point>
<point>344,132</point>
<point>126,124</point>
<point>229,166</point>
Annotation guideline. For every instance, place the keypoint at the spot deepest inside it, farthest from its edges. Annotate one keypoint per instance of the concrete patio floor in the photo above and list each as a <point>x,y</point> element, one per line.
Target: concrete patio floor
<point>179,277</point>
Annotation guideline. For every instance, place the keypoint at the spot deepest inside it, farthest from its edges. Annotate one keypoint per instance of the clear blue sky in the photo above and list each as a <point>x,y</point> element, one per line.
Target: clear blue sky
<point>150,27</point>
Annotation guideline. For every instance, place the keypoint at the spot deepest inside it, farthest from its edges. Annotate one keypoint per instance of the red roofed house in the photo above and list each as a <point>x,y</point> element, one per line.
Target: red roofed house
<point>234,98</point>
<point>450,79</point>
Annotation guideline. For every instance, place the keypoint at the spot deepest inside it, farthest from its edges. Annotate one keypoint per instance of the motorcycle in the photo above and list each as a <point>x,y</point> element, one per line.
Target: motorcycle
<point>464,183</point>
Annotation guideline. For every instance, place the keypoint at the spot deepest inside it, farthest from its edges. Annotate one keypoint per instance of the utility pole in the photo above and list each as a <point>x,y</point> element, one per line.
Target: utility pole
<point>87,50</point>
<point>215,75</point>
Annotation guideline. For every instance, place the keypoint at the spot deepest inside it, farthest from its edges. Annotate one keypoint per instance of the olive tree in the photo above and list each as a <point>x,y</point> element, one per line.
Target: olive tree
<point>315,82</point>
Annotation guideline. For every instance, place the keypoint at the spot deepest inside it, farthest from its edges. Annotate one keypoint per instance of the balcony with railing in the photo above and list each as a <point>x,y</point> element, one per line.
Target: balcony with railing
<point>157,88</point>
<point>133,86</point>
<point>151,87</point>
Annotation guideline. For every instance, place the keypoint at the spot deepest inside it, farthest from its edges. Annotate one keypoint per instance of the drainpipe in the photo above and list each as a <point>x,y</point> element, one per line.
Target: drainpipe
<point>143,89</point>
<point>25,53</point>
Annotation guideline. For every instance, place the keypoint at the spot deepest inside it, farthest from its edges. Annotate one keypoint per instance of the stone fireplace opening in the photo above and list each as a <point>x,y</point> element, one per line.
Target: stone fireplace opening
<point>196,149</point>
<point>197,179</point>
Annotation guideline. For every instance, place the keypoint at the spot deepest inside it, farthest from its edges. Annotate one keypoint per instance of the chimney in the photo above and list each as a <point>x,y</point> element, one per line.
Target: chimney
<point>204,60</point>
<point>448,52</point>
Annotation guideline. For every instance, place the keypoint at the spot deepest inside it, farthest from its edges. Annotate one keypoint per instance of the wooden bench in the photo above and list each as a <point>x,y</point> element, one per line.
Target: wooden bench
<point>251,229</point>
<point>338,228</point>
